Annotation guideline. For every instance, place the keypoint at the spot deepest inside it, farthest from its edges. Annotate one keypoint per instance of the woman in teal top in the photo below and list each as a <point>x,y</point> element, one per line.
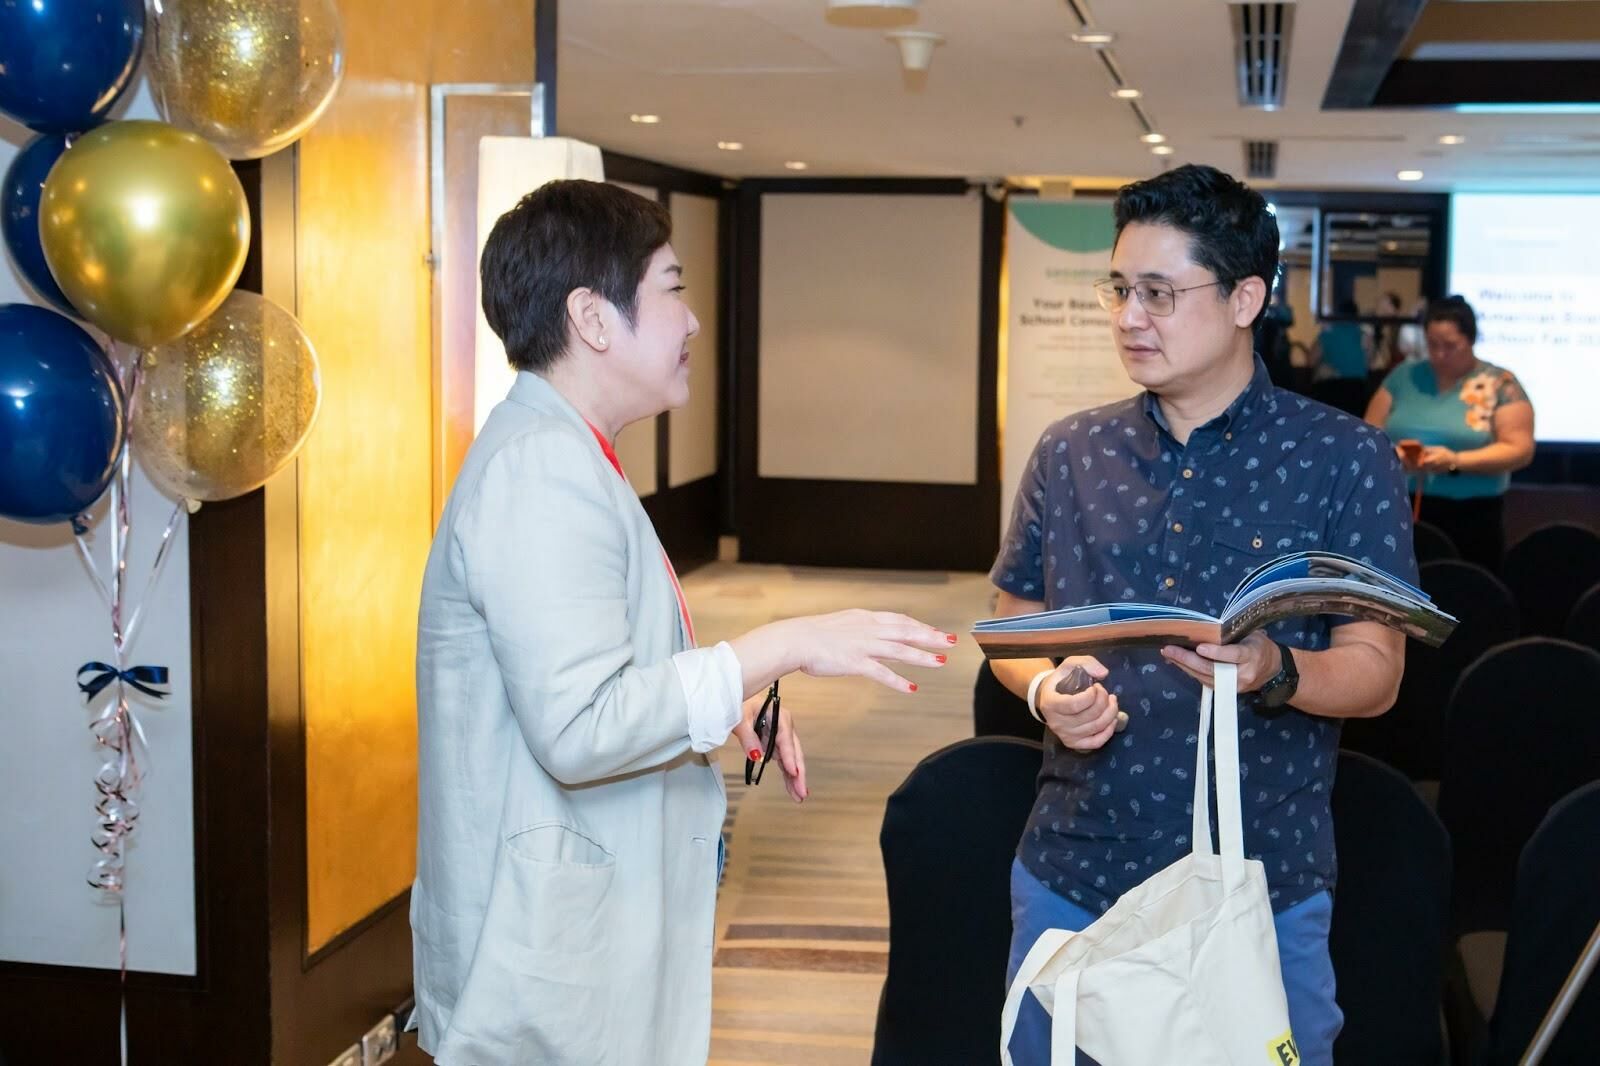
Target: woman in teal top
<point>1461,425</point>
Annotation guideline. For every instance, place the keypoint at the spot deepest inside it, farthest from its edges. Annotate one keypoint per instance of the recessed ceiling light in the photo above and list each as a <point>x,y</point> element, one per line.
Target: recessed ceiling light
<point>645,120</point>
<point>1410,175</point>
<point>1098,38</point>
<point>1153,138</point>
<point>1126,94</point>
<point>1163,149</point>
<point>731,146</point>
<point>1452,138</point>
<point>795,164</point>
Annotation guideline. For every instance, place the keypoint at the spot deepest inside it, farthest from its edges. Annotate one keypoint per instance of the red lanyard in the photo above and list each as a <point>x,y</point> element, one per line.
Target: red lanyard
<point>616,464</point>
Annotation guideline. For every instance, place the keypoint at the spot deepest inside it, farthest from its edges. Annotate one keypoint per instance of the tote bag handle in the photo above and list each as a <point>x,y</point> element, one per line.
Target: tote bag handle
<point>1223,695</point>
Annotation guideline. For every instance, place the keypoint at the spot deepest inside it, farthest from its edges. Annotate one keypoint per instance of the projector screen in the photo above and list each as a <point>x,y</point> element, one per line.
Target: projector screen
<point>1528,265</point>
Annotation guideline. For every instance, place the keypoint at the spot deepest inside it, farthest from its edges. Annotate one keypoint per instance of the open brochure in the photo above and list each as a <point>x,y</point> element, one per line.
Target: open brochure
<point>1293,586</point>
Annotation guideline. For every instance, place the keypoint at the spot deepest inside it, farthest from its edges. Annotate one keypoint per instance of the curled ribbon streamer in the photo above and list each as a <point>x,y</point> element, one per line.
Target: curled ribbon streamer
<point>117,727</point>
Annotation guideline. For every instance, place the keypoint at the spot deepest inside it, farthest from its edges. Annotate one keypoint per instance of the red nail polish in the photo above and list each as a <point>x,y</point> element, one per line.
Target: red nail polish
<point>951,637</point>
<point>913,687</point>
<point>942,659</point>
<point>755,754</point>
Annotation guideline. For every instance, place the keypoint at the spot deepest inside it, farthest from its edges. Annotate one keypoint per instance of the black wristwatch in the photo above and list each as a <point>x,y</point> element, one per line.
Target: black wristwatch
<point>1280,689</point>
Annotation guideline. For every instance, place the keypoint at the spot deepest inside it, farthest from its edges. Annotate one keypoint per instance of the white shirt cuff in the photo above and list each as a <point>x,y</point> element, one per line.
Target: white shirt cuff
<point>713,689</point>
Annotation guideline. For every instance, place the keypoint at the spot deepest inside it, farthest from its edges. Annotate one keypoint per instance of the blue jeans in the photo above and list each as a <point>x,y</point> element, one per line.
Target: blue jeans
<point>1302,953</point>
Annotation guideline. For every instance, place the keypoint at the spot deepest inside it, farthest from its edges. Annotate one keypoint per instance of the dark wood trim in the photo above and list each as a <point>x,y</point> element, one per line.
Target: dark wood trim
<point>1372,39</point>
<point>887,525</point>
<point>662,176</point>
<point>663,471</point>
<point>546,50</point>
<point>863,523</point>
<point>1448,82</point>
<point>686,521</point>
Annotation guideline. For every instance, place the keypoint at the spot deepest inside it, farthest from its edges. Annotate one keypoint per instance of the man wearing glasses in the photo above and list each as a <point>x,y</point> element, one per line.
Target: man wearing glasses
<point>1172,497</point>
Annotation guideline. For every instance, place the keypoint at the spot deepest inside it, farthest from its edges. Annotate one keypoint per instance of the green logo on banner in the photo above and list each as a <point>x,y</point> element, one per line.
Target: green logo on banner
<point>1073,227</point>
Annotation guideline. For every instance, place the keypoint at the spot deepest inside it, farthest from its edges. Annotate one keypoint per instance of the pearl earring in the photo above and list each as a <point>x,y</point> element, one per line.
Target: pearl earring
<point>602,342</point>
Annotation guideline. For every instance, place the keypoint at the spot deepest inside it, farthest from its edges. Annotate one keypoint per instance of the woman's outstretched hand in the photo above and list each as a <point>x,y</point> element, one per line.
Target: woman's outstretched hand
<point>853,643</point>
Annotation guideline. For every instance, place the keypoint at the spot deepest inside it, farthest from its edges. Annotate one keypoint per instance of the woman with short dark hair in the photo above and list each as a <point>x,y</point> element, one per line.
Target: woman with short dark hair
<point>571,807</point>
<point>1462,427</point>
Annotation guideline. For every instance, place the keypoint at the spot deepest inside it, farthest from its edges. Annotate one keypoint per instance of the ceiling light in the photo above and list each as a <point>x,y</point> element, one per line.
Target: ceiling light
<point>1153,138</point>
<point>1163,149</point>
<point>1452,138</point>
<point>916,47</point>
<point>645,120</point>
<point>1097,38</point>
<point>795,164</point>
<point>1126,94</point>
<point>731,146</point>
<point>1410,175</point>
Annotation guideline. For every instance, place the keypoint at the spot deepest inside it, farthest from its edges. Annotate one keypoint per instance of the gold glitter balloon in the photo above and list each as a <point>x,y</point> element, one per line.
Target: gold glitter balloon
<point>145,229</point>
<point>250,76</point>
<point>219,411</point>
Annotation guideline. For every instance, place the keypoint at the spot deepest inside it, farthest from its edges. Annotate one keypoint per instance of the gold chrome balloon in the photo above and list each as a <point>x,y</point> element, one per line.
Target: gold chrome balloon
<point>220,410</point>
<point>250,76</point>
<point>145,228</point>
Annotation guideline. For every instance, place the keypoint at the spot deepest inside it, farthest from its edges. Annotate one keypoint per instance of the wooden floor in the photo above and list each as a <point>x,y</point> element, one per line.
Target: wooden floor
<point>802,922</point>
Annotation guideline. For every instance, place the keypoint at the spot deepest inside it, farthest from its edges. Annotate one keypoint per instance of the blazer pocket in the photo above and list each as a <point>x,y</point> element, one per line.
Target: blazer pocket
<point>552,892</point>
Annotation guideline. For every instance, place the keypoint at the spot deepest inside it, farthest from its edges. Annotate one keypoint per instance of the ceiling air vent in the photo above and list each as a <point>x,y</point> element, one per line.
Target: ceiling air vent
<point>1261,52</point>
<point>1261,159</point>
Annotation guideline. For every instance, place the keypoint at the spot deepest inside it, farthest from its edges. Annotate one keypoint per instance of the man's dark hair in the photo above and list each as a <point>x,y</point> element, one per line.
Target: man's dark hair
<point>1231,232</point>
<point>562,236</point>
<point>1455,310</point>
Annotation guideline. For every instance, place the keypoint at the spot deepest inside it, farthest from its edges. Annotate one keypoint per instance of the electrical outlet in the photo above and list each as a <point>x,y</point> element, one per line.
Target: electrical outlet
<point>380,1043</point>
<point>350,1056</point>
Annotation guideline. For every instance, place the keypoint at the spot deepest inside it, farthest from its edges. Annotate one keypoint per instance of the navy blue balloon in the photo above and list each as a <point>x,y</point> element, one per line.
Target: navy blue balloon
<point>63,63</point>
<point>19,214</point>
<point>61,416</point>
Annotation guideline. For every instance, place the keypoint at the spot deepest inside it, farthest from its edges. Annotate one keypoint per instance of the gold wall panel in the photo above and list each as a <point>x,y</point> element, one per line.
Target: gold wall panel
<point>366,475</point>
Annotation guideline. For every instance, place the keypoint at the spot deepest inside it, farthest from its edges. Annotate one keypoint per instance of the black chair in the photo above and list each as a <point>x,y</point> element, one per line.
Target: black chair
<point>1410,737</point>
<point>1390,916</point>
<point>1523,730</point>
<point>1555,912</point>
<point>949,834</point>
<point>1349,395</point>
<point>998,712</point>
<point>1547,571</point>
<point>1430,543</point>
<point>1583,625</point>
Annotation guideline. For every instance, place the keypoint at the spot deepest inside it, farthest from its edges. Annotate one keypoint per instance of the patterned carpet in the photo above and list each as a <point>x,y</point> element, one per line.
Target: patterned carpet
<point>802,922</point>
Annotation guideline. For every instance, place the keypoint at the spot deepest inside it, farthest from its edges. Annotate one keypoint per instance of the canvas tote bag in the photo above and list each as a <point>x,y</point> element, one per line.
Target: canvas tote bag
<point>1183,968</point>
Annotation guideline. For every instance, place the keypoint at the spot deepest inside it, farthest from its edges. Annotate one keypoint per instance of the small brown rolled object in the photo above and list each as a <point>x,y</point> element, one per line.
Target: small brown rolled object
<point>1078,680</point>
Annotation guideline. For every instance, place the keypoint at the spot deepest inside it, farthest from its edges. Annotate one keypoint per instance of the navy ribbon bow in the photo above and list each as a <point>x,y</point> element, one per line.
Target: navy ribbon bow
<point>140,677</point>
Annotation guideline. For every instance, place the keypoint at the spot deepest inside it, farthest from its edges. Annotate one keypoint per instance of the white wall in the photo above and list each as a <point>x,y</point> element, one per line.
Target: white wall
<point>52,622</point>
<point>693,429</point>
<point>869,337</point>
